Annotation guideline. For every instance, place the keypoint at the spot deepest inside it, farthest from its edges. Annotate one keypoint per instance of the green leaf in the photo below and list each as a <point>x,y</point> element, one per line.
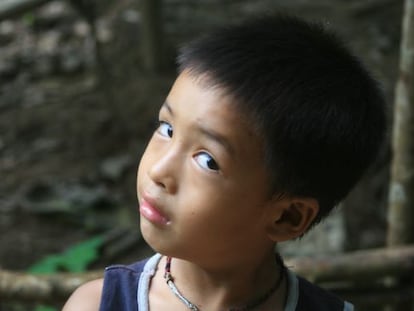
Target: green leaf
<point>75,259</point>
<point>47,265</point>
<point>44,308</point>
<point>28,19</point>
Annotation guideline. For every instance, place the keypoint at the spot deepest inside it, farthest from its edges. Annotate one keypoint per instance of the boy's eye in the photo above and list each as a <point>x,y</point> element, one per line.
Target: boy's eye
<point>206,161</point>
<point>165,129</point>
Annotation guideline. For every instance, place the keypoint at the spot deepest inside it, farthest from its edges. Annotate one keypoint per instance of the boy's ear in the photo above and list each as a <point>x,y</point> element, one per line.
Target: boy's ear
<point>290,217</point>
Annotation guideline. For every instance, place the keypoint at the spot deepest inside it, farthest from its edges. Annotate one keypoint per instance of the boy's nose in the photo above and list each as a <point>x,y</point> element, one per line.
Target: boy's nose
<point>162,172</point>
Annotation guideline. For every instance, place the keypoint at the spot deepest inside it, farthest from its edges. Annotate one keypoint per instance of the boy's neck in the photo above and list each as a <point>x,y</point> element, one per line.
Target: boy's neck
<point>235,285</point>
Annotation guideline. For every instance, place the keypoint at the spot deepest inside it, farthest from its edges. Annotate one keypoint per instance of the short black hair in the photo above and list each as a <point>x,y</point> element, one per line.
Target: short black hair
<point>320,113</point>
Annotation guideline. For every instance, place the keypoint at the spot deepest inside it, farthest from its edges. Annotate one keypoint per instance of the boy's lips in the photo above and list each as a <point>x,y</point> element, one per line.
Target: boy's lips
<point>148,209</point>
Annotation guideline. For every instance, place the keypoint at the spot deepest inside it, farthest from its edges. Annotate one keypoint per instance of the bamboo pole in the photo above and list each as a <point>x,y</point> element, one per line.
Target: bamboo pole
<point>342,272</point>
<point>357,266</point>
<point>401,195</point>
<point>53,288</point>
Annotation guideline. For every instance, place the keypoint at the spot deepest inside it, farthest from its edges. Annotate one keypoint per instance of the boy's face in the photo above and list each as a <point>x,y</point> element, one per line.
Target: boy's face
<point>202,184</point>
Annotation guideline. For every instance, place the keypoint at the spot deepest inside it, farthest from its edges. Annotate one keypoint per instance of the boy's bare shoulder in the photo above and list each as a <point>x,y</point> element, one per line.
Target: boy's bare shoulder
<point>86,297</point>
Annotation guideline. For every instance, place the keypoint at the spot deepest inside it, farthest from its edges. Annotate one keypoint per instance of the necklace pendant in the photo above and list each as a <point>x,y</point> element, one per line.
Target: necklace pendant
<point>193,307</point>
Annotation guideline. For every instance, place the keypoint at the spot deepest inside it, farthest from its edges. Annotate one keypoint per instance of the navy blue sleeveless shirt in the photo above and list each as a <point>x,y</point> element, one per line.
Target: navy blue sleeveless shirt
<point>126,289</point>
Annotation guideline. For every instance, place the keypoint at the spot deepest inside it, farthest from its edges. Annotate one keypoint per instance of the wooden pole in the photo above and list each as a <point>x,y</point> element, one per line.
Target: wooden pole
<point>363,265</point>
<point>357,272</point>
<point>54,288</point>
<point>401,195</point>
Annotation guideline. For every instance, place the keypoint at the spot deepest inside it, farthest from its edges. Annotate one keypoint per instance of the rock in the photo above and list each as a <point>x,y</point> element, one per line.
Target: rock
<point>70,60</point>
<point>81,29</point>
<point>44,66</point>
<point>11,93</point>
<point>71,198</point>
<point>33,96</point>
<point>53,14</point>
<point>131,16</point>
<point>8,69</point>
<point>48,43</point>
<point>43,145</point>
<point>7,32</point>
<point>114,168</point>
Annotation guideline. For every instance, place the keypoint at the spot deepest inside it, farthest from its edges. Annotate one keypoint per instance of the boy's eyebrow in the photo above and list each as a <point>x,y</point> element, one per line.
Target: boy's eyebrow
<point>213,135</point>
<point>208,132</point>
<point>168,107</point>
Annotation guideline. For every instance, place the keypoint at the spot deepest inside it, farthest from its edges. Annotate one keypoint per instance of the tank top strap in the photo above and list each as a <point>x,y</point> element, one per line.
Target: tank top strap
<point>120,289</point>
<point>312,297</point>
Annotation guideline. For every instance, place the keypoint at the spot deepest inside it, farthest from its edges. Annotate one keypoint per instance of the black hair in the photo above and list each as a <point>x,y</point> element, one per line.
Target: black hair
<point>320,113</point>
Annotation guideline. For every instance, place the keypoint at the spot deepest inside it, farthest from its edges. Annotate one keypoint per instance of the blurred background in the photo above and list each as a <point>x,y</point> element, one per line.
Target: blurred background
<point>80,84</point>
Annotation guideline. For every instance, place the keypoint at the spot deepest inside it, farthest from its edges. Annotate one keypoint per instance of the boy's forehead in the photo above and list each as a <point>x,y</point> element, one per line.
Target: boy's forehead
<point>202,88</point>
<point>204,81</point>
<point>211,104</point>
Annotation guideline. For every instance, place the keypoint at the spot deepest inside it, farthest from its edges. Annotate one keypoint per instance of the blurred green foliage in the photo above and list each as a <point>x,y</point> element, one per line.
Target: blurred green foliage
<point>76,258</point>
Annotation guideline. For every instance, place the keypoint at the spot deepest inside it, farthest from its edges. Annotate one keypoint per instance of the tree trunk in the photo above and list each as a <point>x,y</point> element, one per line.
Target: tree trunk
<point>401,199</point>
<point>152,43</point>
<point>401,195</point>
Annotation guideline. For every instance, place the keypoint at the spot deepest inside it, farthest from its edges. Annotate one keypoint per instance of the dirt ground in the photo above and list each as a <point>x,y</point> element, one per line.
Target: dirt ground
<point>70,141</point>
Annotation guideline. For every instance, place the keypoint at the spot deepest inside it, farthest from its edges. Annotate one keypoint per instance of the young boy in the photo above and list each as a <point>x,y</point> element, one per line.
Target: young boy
<point>267,127</point>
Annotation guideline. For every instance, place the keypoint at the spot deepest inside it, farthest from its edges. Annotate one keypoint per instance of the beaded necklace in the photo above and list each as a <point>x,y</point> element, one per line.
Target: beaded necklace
<point>251,305</point>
